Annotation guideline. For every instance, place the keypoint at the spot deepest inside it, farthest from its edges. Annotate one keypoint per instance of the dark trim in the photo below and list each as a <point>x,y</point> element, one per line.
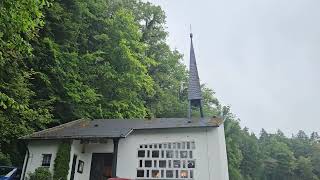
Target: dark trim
<point>73,166</point>
<point>80,166</point>
<point>26,163</point>
<point>201,111</point>
<point>115,157</point>
<point>189,111</point>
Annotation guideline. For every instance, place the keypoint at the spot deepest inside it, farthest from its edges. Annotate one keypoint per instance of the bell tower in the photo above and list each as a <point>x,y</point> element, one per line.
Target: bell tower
<point>194,89</point>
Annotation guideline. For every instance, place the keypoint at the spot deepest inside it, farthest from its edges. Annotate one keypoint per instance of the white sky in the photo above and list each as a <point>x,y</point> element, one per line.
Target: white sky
<point>260,56</point>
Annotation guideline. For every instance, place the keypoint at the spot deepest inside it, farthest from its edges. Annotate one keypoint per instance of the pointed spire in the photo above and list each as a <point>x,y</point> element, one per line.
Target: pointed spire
<point>194,89</point>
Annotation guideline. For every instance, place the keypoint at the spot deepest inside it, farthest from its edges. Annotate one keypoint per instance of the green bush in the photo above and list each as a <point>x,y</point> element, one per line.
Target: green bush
<point>41,173</point>
<point>61,163</point>
<point>4,160</point>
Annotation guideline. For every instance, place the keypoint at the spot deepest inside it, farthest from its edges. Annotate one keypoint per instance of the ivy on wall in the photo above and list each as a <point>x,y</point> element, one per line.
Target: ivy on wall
<point>61,163</point>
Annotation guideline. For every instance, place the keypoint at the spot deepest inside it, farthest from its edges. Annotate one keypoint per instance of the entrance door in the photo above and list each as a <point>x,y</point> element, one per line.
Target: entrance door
<point>101,166</point>
<point>74,162</point>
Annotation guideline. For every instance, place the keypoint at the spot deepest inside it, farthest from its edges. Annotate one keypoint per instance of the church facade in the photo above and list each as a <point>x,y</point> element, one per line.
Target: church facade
<point>159,148</point>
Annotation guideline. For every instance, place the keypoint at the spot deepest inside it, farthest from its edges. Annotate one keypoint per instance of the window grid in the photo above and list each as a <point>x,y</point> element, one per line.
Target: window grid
<point>46,160</point>
<point>172,160</point>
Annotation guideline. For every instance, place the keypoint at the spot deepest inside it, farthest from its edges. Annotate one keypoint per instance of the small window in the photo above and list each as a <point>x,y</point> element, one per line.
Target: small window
<point>191,164</point>
<point>162,163</point>
<point>169,174</point>
<point>193,145</point>
<point>190,154</point>
<point>191,173</point>
<point>141,153</point>
<point>169,154</point>
<point>183,154</point>
<point>46,159</point>
<point>140,173</point>
<point>147,173</point>
<point>155,154</point>
<point>148,153</point>
<point>177,154</point>
<point>184,174</point>
<point>147,163</point>
<point>188,145</point>
<point>184,164</point>
<point>176,163</point>
<point>155,173</point>
<point>140,163</point>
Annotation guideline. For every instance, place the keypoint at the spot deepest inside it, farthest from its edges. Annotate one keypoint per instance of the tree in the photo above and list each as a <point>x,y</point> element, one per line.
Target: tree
<point>19,113</point>
<point>304,169</point>
<point>251,164</point>
<point>314,137</point>
<point>232,133</point>
<point>302,135</point>
<point>315,159</point>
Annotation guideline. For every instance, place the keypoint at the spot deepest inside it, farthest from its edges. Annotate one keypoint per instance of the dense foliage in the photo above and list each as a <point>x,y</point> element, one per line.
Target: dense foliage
<point>67,59</point>
<point>19,112</point>
<point>41,173</point>
<point>271,156</point>
<point>61,162</point>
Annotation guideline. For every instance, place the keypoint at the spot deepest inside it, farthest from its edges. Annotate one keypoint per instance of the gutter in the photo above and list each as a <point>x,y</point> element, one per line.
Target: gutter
<point>26,164</point>
<point>115,157</point>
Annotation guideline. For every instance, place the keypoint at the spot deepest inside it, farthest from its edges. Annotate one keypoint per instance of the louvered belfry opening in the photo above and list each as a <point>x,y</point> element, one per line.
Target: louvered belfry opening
<point>194,89</point>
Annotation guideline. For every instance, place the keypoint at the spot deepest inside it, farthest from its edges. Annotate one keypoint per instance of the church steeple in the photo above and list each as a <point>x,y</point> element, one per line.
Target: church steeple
<point>194,90</point>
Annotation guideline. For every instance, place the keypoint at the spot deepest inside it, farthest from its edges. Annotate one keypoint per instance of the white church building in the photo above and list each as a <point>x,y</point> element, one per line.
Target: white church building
<point>159,148</point>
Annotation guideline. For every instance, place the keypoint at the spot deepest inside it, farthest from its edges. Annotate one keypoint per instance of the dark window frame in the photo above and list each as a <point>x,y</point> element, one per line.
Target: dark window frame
<point>46,160</point>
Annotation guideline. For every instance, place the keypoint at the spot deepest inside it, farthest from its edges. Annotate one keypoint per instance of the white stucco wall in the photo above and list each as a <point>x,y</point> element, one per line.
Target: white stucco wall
<point>217,154</point>
<point>86,157</point>
<point>36,150</point>
<point>210,152</point>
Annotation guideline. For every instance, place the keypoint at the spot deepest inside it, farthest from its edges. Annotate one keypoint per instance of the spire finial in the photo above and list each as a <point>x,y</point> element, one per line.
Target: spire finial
<point>191,35</point>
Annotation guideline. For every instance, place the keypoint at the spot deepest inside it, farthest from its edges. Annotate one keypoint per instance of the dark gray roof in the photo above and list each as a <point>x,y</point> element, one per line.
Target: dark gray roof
<point>118,128</point>
<point>194,90</point>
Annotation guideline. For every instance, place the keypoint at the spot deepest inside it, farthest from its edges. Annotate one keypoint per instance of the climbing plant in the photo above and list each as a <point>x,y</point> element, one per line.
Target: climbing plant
<point>61,163</point>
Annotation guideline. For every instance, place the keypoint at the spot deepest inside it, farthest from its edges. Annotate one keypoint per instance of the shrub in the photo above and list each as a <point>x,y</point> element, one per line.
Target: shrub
<point>41,173</point>
<point>61,163</point>
<point>4,160</point>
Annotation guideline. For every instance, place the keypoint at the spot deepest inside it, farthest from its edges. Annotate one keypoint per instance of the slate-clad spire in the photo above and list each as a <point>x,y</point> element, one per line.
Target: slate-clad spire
<point>194,89</point>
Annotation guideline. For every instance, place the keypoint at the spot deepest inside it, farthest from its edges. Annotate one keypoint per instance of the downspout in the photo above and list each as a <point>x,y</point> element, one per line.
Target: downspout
<point>26,163</point>
<point>115,156</point>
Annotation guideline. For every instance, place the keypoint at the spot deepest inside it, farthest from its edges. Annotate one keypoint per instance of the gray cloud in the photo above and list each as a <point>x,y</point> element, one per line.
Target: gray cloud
<point>261,57</point>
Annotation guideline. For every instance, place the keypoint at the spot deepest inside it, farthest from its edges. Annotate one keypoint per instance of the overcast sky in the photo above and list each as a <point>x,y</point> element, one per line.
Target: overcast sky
<point>262,57</point>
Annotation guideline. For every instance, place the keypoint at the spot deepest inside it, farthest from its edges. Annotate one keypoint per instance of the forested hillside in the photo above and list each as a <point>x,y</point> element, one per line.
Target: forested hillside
<point>67,59</point>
